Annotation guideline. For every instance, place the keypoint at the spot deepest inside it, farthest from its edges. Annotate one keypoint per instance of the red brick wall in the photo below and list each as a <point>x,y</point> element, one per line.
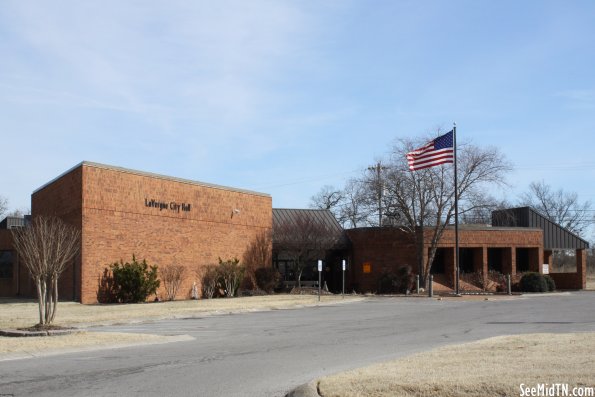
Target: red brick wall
<point>62,198</point>
<point>492,237</point>
<point>108,204</point>
<point>117,223</point>
<point>387,249</point>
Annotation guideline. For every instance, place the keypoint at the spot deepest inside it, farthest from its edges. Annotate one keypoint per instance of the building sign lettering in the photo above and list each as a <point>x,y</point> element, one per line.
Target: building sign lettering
<point>172,205</point>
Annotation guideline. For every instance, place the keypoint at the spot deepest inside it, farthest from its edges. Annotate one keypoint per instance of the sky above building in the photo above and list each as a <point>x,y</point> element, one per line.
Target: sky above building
<point>284,97</point>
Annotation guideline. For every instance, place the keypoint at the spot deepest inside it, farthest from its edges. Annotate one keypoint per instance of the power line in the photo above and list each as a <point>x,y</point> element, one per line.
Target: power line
<point>308,179</point>
<point>550,166</point>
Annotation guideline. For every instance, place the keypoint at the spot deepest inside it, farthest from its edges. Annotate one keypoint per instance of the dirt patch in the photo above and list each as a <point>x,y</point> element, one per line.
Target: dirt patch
<point>499,366</point>
<point>45,327</point>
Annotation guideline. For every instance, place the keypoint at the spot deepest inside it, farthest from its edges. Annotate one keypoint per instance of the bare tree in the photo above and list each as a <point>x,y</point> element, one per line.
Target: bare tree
<point>356,209</point>
<point>423,200</point>
<point>172,277</point>
<point>258,254</point>
<point>46,247</point>
<point>328,198</point>
<point>20,212</point>
<point>303,239</point>
<point>559,206</point>
<point>350,206</point>
<point>3,205</point>
<point>481,209</point>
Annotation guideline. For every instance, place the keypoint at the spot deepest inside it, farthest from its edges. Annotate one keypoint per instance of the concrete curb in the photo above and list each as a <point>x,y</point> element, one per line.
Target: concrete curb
<point>23,333</point>
<point>307,390</point>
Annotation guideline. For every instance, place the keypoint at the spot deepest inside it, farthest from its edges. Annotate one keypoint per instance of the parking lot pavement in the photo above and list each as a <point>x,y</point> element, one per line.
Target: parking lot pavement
<point>269,353</point>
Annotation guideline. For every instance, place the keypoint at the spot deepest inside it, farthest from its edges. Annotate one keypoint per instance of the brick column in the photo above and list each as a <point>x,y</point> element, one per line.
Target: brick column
<point>507,261</point>
<point>534,257</point>
<point>450,267</point>
<point>484,256</point>
<point>581,268</point>
<point>547,259</point>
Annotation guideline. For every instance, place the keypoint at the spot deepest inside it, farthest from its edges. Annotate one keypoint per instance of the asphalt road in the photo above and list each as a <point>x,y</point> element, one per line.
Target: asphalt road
<point>269,353</point>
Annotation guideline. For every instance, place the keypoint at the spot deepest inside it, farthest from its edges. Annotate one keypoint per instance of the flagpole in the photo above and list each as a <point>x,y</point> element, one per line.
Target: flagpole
<point>454,134</point>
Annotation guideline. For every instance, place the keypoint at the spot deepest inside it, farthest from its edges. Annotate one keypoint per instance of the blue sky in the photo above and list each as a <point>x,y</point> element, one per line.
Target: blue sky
<point>287,96</point>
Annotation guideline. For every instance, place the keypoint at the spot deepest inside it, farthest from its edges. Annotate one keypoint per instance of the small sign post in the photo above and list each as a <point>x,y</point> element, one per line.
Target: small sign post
<point>319,278</point>
<point>343,290</point>
<point>546,268</point>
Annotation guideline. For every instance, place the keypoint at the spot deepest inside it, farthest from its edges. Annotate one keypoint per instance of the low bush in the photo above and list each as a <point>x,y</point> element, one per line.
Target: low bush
<point>550,283</point>
<point>134,281</point>
<point>209,281</point>
<point>267,278</point>
<point>231,274</point>
<point>172,277</point>
<point>400,281</point>
<point>106,291</point>
<point>535,282</point>
<point>405,279</point>
<point>387,283</point>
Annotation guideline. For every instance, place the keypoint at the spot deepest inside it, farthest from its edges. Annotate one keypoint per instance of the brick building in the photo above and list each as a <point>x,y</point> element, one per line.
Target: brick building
<point>122,212</point>
<point>481,248</point>
<point>519,240</point>
<point>167,221</point>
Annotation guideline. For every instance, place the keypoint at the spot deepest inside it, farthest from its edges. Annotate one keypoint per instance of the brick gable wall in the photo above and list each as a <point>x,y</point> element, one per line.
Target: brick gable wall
<point>110,207</point>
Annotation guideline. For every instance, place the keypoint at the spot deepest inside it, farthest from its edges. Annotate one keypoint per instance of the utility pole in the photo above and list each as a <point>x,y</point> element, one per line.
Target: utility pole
<point>378,168</point>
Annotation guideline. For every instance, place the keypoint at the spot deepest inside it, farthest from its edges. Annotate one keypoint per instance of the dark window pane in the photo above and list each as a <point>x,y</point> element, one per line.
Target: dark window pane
<point>6,264</point>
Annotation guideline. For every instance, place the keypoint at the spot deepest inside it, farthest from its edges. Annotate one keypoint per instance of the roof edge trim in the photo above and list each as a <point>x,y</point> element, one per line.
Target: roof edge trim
<point>151,175</point>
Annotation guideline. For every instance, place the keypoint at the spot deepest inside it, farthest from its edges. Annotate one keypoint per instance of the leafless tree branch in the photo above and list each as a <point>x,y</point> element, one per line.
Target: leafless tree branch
<point>46,248</point>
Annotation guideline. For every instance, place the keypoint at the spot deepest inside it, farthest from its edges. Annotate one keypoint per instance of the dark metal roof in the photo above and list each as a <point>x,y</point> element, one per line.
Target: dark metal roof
<point>326,217</point>
<point>290,214</point>
<point>554,235</point>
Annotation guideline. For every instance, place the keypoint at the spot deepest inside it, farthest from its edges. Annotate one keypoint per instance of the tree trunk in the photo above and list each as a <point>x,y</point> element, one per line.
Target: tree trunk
<point>40,300</point>
<point>48,300</point>
<point>298,277</point>
<point>419,245</point>
<point>55,286</point>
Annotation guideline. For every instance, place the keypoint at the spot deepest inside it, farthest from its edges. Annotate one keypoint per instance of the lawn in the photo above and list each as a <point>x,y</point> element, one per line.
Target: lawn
<point>490,367</point>
<point>14,314</point>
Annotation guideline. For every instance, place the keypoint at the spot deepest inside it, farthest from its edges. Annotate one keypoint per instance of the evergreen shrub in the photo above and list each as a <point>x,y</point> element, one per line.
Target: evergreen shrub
<point>535,282</point>
<point>134,281</point>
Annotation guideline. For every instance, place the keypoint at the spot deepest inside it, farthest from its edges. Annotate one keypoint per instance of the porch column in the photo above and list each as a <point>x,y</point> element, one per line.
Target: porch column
<point>581,268</point>
<point>547,259</point>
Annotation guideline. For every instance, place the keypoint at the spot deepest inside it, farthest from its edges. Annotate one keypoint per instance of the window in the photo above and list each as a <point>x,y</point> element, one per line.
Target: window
<point>6,264</point>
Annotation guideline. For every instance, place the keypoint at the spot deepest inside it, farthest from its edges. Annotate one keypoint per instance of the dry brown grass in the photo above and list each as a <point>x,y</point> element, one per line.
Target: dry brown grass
<point>34,346</point>
<point>491,367</point>
<point>23,314</point>
<point>591,282</point>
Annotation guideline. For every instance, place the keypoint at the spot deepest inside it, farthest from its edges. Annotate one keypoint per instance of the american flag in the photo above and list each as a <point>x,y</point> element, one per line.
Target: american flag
<point>436,152</point>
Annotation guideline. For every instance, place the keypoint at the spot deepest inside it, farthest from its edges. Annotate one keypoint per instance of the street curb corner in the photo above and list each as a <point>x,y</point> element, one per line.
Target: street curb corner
<point>306,390</point>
